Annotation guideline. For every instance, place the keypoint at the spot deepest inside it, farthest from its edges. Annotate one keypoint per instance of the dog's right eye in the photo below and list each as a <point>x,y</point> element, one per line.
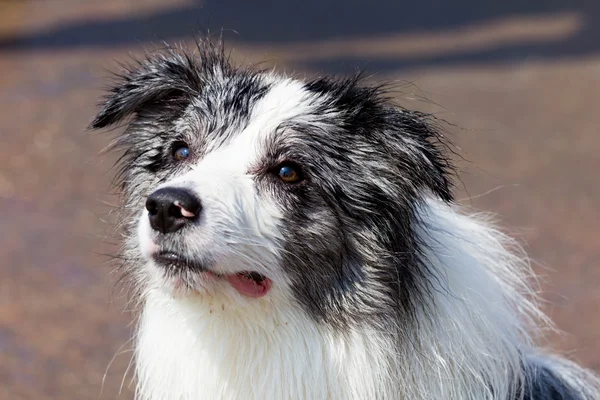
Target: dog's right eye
<point>180,151</point>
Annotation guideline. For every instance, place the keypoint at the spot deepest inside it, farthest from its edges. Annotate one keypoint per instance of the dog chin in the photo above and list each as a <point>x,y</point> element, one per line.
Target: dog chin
<point>185,283</point>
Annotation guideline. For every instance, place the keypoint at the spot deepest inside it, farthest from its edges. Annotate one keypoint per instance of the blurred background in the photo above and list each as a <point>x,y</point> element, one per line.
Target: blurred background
<point>519,80</point>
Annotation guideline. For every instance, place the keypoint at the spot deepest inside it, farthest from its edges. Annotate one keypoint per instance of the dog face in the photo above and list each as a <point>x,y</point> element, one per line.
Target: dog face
<point>253,186</point>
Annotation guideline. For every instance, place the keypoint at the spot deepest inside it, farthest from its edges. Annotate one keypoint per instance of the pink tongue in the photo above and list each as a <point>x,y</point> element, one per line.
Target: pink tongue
<point>248,286</point>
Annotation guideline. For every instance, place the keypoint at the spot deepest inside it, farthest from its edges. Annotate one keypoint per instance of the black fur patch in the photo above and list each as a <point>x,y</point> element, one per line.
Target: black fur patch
<point>544,384</point>
<point>350,244</point>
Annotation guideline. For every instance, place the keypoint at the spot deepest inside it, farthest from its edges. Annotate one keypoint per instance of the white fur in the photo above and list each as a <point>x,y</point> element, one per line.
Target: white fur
<point>482,311</point>
<point>198,347</point>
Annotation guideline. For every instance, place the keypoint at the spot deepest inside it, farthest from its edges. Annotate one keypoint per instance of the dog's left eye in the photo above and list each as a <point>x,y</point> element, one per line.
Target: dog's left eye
<point>180,151</point>
<point>289,173</point>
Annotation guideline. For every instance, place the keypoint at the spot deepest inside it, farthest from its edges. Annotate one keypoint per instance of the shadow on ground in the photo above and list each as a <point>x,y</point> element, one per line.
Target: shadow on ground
<point>293,22</point>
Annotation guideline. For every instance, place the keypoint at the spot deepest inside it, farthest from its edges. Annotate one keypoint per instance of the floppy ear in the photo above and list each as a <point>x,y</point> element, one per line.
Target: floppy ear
<point>427,146</point>
<point>168,80</point>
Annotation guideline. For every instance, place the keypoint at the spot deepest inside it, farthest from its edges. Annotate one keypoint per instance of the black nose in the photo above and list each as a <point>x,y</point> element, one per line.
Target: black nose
<point>169,209</point>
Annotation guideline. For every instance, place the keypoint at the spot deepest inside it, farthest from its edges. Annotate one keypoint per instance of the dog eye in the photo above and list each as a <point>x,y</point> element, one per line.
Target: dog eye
<point>289,173</point>
<point>180,151</point>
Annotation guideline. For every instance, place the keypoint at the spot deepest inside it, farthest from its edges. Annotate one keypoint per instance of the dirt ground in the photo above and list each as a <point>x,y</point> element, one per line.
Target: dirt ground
<point>521,83</point>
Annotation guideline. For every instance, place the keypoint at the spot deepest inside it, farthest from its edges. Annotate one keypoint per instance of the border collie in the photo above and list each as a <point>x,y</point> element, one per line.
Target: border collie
<point>298,239</point>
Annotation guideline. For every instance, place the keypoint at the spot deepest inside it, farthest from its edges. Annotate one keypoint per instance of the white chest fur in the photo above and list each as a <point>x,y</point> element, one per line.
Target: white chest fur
<point>193,348</point>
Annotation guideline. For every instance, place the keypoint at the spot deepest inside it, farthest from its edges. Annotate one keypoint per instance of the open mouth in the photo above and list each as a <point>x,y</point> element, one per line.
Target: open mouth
<point>248,283</point>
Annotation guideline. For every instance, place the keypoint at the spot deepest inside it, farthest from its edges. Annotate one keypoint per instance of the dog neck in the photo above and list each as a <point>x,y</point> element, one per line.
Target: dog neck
<point>196,347</point>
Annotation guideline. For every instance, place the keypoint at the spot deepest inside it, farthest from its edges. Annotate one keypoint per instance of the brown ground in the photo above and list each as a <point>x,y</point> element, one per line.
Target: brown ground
<point>523,82</point>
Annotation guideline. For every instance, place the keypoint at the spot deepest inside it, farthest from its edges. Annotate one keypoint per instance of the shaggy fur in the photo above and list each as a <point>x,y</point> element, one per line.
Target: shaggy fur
<point>382,288</point>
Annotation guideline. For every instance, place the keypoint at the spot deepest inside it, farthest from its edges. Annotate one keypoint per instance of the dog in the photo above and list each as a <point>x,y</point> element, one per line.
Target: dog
<point>299,239</point>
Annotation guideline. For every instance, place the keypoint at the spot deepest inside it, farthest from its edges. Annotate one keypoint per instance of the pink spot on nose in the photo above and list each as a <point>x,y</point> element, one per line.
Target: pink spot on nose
<point>184,212</point>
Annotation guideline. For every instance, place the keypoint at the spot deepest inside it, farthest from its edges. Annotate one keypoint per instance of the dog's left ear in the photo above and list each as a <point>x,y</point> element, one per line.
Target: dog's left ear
<point>163,80</point>
<point>424,147</point>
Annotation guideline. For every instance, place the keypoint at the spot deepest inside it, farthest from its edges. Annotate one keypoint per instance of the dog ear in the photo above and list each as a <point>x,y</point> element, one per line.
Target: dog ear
<point>422,139</point>
<point>164,80</point>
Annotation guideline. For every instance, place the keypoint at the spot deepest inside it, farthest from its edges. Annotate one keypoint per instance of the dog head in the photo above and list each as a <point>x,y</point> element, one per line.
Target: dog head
<point>256,186</point>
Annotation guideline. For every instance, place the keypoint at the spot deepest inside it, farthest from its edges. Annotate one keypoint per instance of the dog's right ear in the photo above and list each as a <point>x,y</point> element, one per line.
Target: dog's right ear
<point>151,82</point>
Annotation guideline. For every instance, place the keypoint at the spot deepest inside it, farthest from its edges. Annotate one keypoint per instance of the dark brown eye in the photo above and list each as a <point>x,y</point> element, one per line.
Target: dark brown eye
<point>289,173</point>
<point>181,151</point>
